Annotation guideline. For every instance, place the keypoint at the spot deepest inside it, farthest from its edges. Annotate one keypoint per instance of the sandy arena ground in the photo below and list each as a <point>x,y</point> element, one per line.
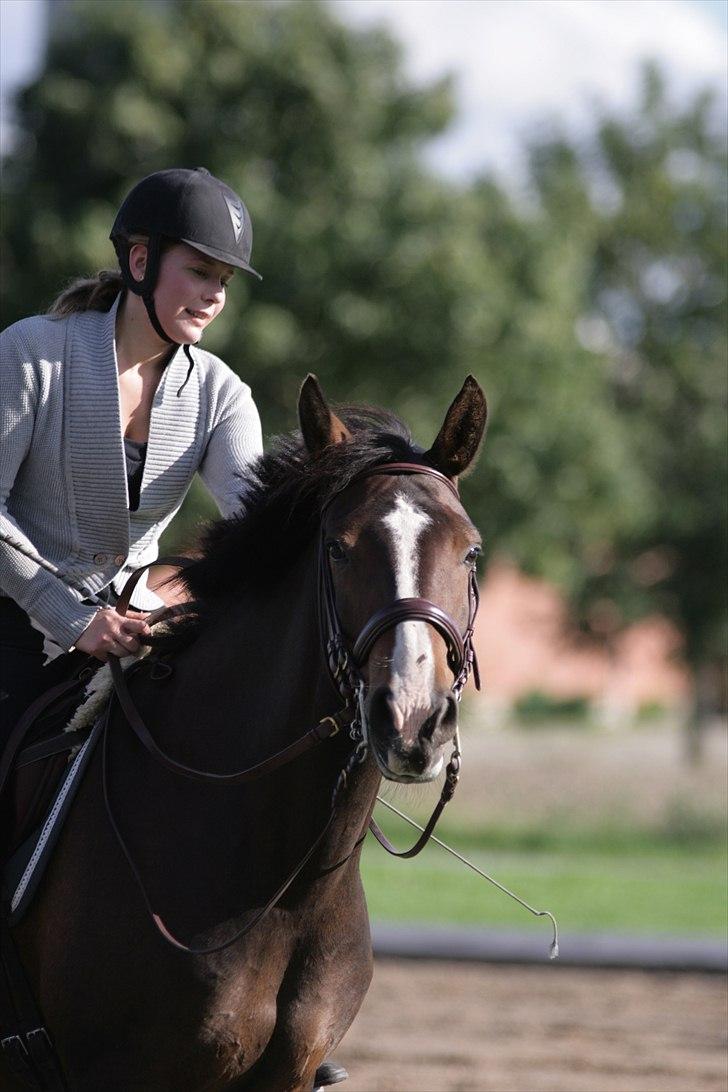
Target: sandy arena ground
<point>442,1027</point>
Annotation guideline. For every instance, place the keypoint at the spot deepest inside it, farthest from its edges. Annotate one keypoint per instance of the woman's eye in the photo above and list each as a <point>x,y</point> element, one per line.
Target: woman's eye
<point>335,550</point>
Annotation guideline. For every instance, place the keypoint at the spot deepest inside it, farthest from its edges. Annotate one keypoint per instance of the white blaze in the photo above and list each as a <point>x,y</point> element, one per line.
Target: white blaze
<point>413,665</point>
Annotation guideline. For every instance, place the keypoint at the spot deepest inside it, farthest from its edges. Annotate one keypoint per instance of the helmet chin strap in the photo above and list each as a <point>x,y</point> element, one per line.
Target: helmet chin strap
<point>145,289</point>
<point>148,299</point>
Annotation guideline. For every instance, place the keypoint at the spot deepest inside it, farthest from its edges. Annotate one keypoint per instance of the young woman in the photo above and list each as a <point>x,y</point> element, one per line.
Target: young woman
<point>108,409</point>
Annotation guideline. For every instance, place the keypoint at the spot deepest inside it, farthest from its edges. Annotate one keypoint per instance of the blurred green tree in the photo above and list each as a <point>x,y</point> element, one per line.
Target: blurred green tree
<point>653,190</point>
<point>591,312</point>
<point>620,290</point>
<point>310,121</point>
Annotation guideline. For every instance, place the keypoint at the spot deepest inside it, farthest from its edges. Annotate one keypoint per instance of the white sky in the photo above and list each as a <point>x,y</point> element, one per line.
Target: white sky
<point>516,62</point>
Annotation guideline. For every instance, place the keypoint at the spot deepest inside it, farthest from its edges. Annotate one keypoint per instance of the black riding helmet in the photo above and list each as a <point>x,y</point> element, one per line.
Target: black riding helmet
<point>188,206</point>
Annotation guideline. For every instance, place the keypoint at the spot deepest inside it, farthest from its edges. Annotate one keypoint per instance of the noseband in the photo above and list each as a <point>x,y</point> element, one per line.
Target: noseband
<point>345,662</point>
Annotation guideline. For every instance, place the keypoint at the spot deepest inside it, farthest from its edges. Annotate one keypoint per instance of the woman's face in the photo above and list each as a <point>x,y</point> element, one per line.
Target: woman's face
<point>190,289</point>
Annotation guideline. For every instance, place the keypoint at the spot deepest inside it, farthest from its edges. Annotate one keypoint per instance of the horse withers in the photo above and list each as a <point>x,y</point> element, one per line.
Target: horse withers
<point>351,560</point>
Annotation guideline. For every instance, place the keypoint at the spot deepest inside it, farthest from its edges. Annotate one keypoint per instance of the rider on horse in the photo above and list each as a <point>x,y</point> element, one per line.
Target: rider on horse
<point>109,409</point>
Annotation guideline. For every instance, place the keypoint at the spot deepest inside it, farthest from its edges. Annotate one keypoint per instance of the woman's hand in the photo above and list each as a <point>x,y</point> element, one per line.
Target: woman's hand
<point>111,632</point>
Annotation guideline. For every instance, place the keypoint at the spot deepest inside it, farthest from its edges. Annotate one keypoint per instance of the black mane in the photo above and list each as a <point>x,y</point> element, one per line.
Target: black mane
<point>283,500</point>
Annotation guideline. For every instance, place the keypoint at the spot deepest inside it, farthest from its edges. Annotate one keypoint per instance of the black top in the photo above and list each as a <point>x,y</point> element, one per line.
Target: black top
<point>135,453</point>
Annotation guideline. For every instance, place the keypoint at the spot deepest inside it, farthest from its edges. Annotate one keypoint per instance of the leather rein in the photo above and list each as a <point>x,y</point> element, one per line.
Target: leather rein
<point>344,664</point>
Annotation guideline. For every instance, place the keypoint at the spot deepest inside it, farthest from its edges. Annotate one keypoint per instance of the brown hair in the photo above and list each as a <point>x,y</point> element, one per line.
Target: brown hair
<point>95,293</point>
<point>88,294</point>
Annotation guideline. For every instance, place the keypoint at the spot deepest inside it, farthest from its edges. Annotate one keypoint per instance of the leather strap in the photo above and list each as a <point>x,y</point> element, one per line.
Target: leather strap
<point>403,468</point>
<point>409,610</point>
<point>261,913</point>
<point>26,1044</point>
<point>31,714</point>
<point>325,729</point>
<point>122,604</point>
<point>452,775</point>
<point>45,748</point>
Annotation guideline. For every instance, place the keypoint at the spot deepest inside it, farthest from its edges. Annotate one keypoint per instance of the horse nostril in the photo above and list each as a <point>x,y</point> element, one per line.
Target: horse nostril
<point>450,716</point>
<point>443,717</point>
<point>383,715</point>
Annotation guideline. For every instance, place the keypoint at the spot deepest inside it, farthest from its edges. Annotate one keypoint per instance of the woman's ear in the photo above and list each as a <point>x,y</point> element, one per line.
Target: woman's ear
<point>319,425</point>
<point>138,261</point>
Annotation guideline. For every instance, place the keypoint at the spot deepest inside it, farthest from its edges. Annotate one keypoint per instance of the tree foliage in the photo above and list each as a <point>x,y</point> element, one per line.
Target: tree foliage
<point>592,312</point>
<point>647,198</point>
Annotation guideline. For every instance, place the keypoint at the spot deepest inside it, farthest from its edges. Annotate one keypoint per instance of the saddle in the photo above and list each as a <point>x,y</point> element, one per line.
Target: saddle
<point>39,776</point>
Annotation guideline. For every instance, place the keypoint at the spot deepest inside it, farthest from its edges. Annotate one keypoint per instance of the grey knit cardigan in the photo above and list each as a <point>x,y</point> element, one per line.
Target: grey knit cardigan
<point>63,491</point>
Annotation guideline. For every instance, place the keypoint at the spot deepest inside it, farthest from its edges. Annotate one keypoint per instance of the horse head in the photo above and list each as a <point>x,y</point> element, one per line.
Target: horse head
<point>398,555</point>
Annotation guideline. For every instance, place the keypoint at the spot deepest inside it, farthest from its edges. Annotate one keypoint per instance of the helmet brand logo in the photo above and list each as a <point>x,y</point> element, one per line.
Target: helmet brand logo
<point>235,209</point>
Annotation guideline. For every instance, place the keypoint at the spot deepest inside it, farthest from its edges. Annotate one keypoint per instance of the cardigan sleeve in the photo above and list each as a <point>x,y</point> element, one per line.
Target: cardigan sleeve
<point>235,442</point>
<point>54,606</point>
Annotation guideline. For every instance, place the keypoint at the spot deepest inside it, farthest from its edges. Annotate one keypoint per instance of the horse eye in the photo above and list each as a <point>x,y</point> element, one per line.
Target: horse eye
<point>472,555</point>
<point>336,550</point>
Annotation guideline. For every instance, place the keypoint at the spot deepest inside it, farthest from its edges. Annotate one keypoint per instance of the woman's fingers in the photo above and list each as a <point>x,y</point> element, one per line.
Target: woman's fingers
<point>134,626</point>
<point>109,632</point>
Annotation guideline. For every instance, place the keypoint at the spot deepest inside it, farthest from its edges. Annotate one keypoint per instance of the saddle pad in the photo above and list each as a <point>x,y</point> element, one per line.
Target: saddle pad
<point>26,867</point>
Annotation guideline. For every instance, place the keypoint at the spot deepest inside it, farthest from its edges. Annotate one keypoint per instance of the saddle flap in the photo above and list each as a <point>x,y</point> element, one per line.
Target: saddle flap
<point>25,869</point>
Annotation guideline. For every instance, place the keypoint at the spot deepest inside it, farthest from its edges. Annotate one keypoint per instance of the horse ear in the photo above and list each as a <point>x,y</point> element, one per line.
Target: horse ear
<point>459,438</point>
<point>319,425</point>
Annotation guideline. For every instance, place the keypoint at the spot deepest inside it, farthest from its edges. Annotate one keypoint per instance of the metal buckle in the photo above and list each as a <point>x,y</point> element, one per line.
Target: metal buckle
<point>335,723</point>
<point>38,1033</point>
<point>14,1043</point>
<point>17,1058</point>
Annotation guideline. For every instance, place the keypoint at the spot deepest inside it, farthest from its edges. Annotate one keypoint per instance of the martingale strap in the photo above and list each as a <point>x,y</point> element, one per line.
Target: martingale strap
<point>452,775</point>
<point>325,729</point>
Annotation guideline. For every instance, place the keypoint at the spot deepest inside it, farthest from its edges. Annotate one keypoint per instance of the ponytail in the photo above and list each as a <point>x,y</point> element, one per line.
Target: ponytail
<point>88,294</point>
<point>96,293</point>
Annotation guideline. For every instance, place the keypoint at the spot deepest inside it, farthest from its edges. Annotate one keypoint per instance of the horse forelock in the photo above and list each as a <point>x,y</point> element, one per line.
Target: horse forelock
<point>283,500</point>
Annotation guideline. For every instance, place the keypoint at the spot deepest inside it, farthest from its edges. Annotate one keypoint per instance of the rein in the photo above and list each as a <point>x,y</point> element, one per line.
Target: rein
<point>344,665</point>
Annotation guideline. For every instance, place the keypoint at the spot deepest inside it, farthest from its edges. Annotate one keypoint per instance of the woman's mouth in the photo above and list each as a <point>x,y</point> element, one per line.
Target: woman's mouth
<point>201,316</point>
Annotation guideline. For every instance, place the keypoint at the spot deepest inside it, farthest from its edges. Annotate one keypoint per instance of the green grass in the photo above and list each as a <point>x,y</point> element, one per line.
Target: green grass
<point>619,881</point>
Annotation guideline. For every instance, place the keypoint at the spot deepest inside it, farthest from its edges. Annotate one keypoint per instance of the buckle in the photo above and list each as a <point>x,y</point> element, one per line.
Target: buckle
<point>17,1058</point>
<point>36,1034</point>
<point>14,1044</point>
<point>333,721</point>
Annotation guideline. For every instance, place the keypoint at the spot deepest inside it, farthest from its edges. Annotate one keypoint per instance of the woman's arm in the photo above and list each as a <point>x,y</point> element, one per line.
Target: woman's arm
<point>49,601</point>
<point>235,443</point>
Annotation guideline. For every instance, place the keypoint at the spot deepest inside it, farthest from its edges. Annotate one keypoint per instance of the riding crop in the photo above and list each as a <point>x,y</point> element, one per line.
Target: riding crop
<point>554,950</point>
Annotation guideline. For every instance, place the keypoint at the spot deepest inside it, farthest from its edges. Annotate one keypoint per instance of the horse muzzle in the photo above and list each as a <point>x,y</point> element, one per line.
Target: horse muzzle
<point>408,745</point>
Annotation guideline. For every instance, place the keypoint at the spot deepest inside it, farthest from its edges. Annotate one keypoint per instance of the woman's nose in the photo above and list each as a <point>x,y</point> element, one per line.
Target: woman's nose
<point>214,291</point>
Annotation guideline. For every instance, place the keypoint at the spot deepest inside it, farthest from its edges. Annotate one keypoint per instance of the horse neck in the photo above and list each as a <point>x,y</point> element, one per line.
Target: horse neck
<point>282,668</point>
<point>286,689</point>
<point>291,655</point>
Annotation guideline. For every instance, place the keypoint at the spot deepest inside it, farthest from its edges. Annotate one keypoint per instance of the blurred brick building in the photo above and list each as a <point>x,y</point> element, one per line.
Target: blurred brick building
<point>522,647</point>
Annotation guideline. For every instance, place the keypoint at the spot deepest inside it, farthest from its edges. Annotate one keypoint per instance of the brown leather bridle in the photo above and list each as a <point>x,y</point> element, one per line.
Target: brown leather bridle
<point>344,662</point>
<point>344,665</point>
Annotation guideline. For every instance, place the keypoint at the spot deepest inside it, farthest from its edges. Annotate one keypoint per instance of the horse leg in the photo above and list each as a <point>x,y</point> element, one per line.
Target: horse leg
<point>318,999</point>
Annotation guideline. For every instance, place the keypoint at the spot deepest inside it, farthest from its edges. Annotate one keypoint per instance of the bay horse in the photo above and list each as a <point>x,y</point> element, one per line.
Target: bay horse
<point>340,526</point>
